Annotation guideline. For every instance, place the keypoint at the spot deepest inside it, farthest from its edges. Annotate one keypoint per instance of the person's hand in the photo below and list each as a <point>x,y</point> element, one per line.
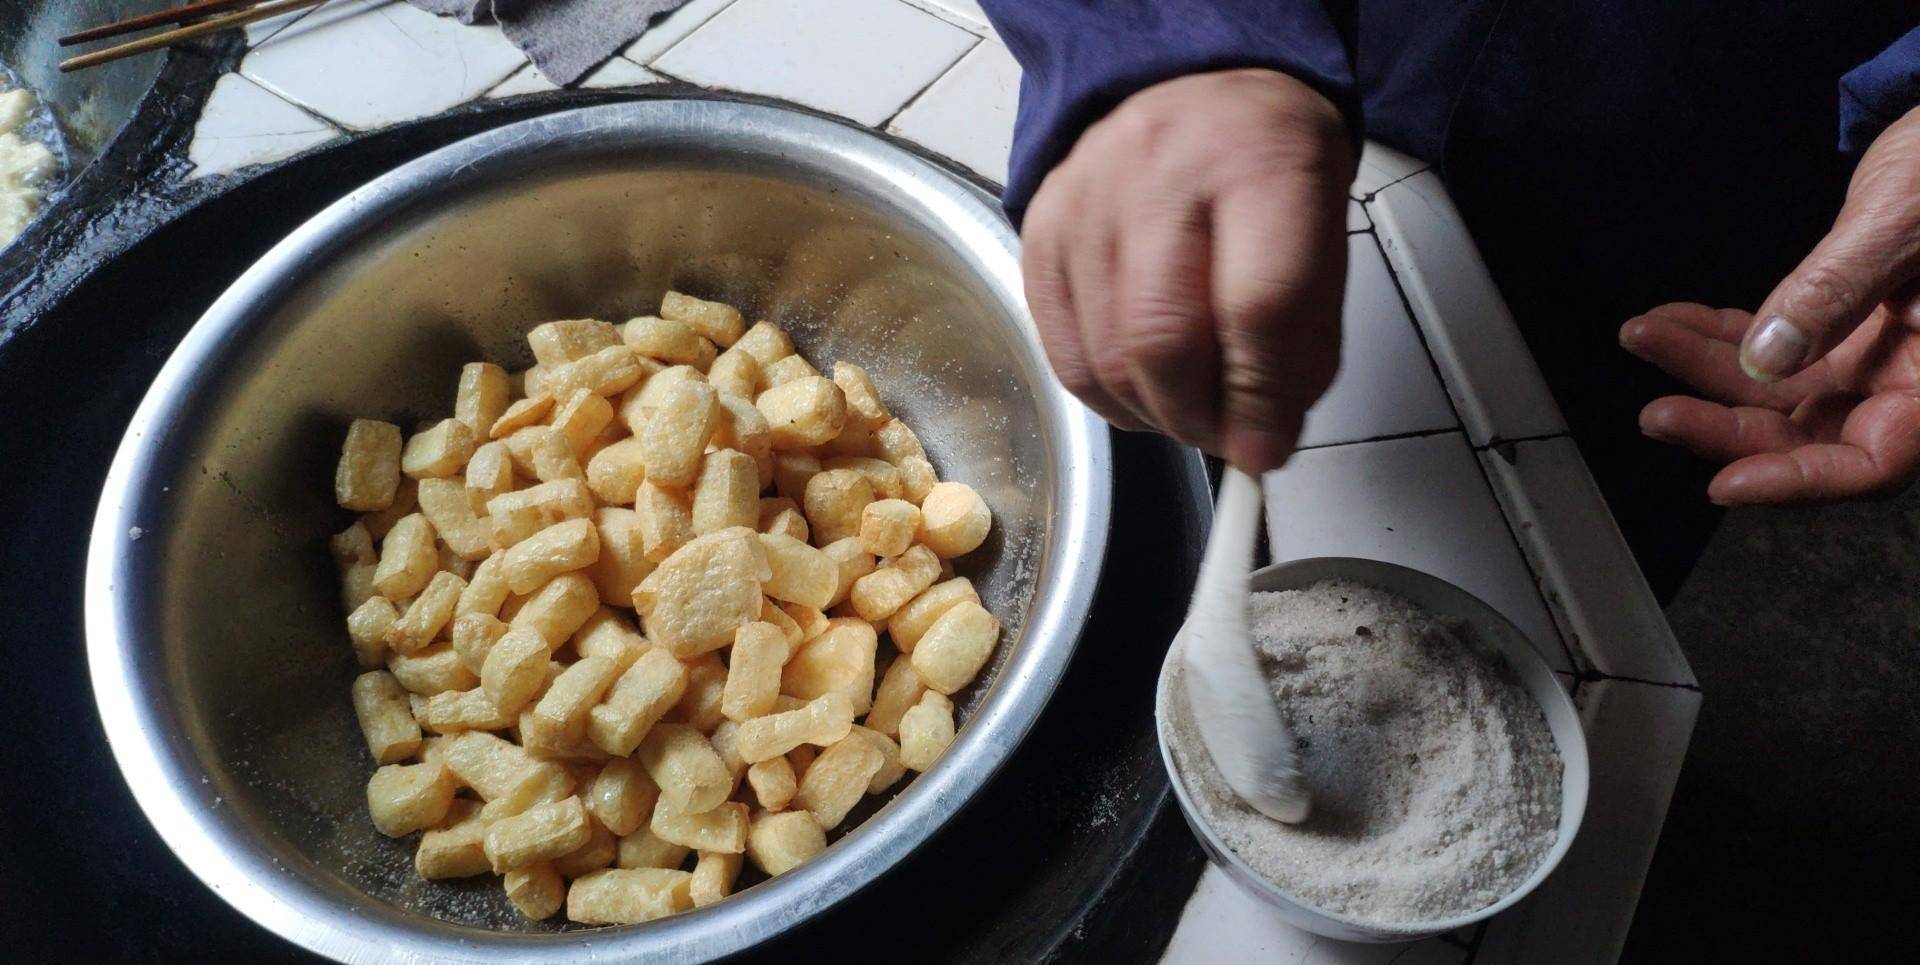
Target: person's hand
<point>1185,263</point>
<point>1815,397</point>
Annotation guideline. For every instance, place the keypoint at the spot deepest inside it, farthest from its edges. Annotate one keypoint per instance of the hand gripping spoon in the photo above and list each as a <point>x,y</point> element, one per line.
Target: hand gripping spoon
<point>1235,714</point>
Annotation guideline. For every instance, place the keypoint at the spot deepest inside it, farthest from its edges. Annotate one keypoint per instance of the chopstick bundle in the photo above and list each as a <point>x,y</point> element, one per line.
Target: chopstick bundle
<point>168,38</point>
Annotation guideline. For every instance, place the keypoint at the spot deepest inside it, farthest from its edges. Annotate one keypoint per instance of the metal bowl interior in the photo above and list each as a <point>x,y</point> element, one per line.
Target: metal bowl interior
<point>1436,596</point>
<point>213,618</point>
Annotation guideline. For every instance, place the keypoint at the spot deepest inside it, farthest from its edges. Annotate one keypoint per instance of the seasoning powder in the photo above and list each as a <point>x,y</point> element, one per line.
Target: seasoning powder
<point>1435,782</point>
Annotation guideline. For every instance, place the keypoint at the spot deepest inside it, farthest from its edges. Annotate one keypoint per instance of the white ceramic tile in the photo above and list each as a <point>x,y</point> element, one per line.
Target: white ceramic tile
<point>1380,166</point>
<point>618,72</point>
<point>1357,219</point>
<point>964,13</point>
<point>1223,924</point>
<point>244,125</point>
<point>1419,502</point>
<point>1386,384</point>
<point>861,59</point>
<point>1637,737</point>
<point>367,64</point>
<point>967,114</point>
<point>1485,365</point>
<point>260,30</point>
<point>1594,588</point>
<point>671,29</point>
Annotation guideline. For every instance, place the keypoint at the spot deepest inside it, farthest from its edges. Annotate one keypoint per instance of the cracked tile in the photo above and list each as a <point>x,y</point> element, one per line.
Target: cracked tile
<point>861,59</point>
<point>967,114</point>
<point>368,63</point>
<point>960,13</point>
<point>618,72</point>
<point>243,125</point>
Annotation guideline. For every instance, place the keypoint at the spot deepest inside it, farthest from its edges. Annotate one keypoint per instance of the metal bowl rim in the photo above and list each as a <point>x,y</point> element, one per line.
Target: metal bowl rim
<point>1574,781</point>
<point>161,768</point>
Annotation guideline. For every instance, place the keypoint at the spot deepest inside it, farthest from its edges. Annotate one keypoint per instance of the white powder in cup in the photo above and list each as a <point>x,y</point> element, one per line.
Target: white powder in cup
<point>1435,781</point>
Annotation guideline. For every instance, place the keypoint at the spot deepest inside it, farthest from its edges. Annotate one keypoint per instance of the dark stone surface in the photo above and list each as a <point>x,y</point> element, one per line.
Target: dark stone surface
<point>1073,852</point>
<point>1795,827</point>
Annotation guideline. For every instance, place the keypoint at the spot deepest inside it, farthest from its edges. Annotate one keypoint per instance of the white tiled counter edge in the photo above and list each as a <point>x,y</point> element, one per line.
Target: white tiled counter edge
<point>1438,446</point>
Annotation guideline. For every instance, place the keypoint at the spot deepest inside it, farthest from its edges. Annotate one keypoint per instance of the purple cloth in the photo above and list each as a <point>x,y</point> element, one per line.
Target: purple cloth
<point>1875,94</point>
<point>565,39</point>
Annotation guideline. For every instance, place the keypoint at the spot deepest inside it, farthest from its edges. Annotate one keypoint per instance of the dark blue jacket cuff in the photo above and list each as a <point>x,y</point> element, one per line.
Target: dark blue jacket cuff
<point>1082,57</point>
<point>1876,93</point>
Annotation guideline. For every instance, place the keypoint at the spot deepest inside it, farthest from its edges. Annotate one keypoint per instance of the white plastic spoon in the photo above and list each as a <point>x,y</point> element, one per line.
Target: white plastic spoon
<point>1236,716</point>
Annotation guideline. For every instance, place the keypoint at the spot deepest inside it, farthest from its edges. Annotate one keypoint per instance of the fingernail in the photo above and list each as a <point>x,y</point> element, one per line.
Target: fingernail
<point>1773,350</point>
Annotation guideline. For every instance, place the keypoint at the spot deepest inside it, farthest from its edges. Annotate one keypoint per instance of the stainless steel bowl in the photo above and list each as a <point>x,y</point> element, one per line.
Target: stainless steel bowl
<point>1437,596</point>
<point>214,628</point>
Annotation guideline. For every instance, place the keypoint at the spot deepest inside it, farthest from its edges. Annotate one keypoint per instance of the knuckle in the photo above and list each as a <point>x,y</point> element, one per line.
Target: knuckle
<point>1828,289</point>
<point>1162,332</point>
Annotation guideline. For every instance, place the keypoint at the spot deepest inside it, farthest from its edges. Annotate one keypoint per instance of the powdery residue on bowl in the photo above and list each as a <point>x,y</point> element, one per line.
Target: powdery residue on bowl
<point>1435,781</point>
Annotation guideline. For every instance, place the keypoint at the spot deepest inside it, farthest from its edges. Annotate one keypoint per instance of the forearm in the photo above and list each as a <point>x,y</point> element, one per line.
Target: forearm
<point>1082,57</point>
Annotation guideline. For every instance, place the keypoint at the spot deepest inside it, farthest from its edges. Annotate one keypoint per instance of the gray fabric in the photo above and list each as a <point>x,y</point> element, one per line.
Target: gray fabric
<point>565,39</point>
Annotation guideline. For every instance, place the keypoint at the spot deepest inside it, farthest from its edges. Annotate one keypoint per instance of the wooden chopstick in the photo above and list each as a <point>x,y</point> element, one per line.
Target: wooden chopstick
<point>168,38</point>
<point>191,11</point>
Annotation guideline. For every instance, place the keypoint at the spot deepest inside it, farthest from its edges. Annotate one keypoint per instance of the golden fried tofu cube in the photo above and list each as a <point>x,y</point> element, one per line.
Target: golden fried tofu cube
<point>404,503</point>
<point>628,896</point>
<point>367,627</point>
<point>909,623</point>
<point>804,412</point>
<point>773,782</point>
<point>954,649</point>
<point>779,843</point>
<point>684,765</point>
<point>622,798</point>
<point>699,705</point>
<point>766,342</point>
<point>789,369</point>
<point>433,670</point>
<point>791,473</point>
<point>727,493</point>
<point>833,501</point>
<point>565,705</point>
<point>888,526</point>
<point>642,849</point>
<point>438,452</point>
<point>486,590</point>
<point>820,721</point>
<point>701,594</point>
<point>560,548</point>
<point>536,890</point>
<point>713,877</point>
<point>864,407</point>
<point>900,688</point>
<point>882,475</point>
<point>386,717</point>
<point>560,342</point>
<point>925,731</point>
<point>917,479</point>
<point>447,506</point>
<point>611,634</point>
<point>524,512</point>
<point>895,442</point>
<point>456,848</point>
<point>839,660</point>
<point>404,798</point>
<point>878,594</point>
<point>540,833</point>
<point>427,615</point>
<point>481,397</point>
<point>558,609</point>
<point>955,520</point>
<point>716,321</point>
<point>675,434</point>
<point>580,419</point>
<point>723,828</point>
<point>599,852</point>
<point>636,702</point>
<point>515,669</point>
<point>891,770</point>
<point>838,779</point>
<point>616,472</point>
<point>800,573</point>
<point>735,373</point>
<point>752,682</point>
<point>369,471</point>
<point>408,559</point>
<point>608,372</point>
<point>666,340</point>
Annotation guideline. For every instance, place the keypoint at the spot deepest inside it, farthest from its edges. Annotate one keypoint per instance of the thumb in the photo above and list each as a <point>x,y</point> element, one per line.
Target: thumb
<point>1873,249</point>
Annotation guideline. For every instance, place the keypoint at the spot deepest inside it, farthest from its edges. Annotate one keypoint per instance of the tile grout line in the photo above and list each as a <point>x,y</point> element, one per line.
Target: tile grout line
<point>952,18</point>
<point>338,129</point>
<point>1498,441</point>
<point>922,92</point>
<point>1370,195</point>
<point>1586,676</point>
<point>702,25</point>
<point>1526,559</point>
<point>1388,437</point>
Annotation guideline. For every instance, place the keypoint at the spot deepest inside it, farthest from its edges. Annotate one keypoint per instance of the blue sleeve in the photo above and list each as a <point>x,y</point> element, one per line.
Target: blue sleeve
<point>1082,57</point>
<point>1874,94</point>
